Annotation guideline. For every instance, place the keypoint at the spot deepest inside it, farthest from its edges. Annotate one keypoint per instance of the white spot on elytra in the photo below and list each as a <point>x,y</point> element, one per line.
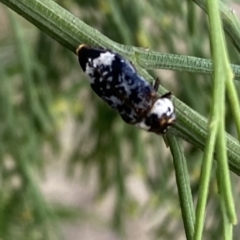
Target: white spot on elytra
<point>89,71</point>
<point>105,59</point>
<point>105,73</point>
<point>116,101</point>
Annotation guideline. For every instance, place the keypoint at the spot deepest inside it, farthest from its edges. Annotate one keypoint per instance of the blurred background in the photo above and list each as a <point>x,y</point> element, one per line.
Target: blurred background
<point>70,168</point>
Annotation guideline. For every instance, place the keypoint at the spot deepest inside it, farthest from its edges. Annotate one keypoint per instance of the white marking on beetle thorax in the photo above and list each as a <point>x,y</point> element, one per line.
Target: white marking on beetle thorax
<point>163,106</point>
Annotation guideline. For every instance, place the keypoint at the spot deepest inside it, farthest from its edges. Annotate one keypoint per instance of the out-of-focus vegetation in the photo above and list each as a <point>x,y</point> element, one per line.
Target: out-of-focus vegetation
<point>43,93</point>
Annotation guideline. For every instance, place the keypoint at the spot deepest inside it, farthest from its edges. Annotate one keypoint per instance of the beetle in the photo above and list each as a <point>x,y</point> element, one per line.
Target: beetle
<point>116,81</point>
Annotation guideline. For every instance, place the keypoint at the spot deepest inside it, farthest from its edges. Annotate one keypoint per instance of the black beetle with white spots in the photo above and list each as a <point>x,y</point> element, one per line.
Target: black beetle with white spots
<point>116,81</point>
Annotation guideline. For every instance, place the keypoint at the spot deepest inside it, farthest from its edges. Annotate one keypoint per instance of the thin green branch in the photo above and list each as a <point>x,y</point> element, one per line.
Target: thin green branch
<point>183,184</point>
<point>227,226</point>
<point>223,75</point>
<point>154,60</point>
<point>231,26</point>
<point>234,103</point>
<point>225,180</point>
<point>230,20</point>
<point>222,71</point>
<point>204,181</point>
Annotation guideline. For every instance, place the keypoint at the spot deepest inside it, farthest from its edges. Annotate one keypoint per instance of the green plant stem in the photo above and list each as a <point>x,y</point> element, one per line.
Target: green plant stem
<point>222,72</point>
<point>183,184</point>
<point>234,103</point>
<point>223,76</point>
<point>154,60</point>
<point>230,20</point>
<point>204,180</point>
<point>70,32</point>
<point>227,226</point>
<point>231,26</point>
<point>224,184</point>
